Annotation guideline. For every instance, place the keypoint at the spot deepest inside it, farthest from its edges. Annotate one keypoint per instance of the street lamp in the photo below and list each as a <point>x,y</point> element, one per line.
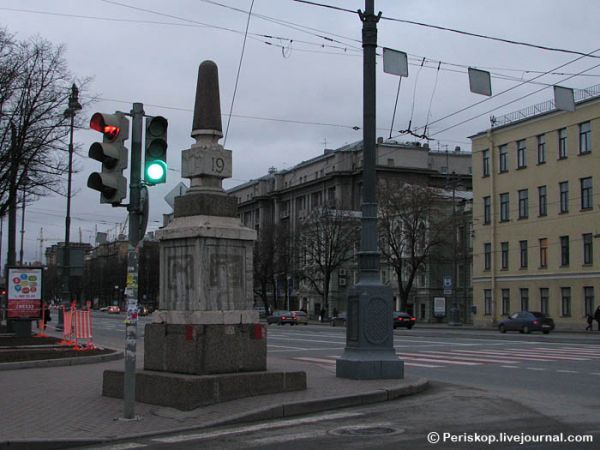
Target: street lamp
<point>70,112</point>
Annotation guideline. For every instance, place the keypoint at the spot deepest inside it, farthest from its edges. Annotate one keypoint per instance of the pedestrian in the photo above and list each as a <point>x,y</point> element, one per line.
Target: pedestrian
<point>335,312</point>
<point>597,316</point>
<point>46,317</point>
<point>590,320</point>
<point>322,315</point>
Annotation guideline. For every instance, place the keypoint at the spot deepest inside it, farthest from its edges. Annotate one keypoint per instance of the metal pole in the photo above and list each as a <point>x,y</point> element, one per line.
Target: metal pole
<point>131,291</point>
<point>69,112</point>
<point>22,226</point>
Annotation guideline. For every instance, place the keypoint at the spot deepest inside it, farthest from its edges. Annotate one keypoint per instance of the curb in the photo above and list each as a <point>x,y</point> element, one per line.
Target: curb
<point>261,414</point>
<point>59,362</point>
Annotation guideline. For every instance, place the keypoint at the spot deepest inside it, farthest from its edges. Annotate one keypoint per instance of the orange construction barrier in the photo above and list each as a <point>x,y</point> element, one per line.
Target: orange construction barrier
<point>68,327</point>
<point>83,328</point>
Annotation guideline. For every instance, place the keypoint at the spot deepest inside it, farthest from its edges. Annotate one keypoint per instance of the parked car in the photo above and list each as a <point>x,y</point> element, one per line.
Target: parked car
<point>113,309</point>
<point>300,317</point>
<point>281,318</point>
<point>143,310</point>
<point>526,322</point>
<point>104,309</point>
<point>339,320</point>
<point>402,319</point>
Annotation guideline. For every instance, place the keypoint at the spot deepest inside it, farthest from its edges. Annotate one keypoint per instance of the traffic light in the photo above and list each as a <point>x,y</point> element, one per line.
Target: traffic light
<point>155,161</point>
<point>113,155</point>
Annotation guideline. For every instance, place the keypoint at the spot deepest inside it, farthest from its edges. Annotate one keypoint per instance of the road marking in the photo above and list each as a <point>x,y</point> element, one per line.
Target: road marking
<point>296,349</point>
<point>469,358</point>
<point>121,446</point>
<point>535,368</point>
<point>510,367</point>
<point>257,427</point>
<point>317,360</point>
<point>286,346</point>
<point>419,357</point>
<point>595,373</point>
<point>567,371</point>
<point>516,356</point>
<point>333,359</point>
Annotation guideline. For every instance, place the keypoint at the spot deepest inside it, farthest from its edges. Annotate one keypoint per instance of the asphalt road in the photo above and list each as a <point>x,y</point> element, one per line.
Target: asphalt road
<point>483,382</point>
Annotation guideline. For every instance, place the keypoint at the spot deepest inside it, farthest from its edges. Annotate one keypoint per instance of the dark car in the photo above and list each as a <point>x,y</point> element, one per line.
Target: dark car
<point>339,320</point>
<point>281,318</point>
<point>299,317</point>
<point>402,319</point>
<point>526,322</point>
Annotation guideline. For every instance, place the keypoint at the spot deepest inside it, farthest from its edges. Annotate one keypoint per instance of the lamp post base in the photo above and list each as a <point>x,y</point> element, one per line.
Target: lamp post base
<point>360,365</point>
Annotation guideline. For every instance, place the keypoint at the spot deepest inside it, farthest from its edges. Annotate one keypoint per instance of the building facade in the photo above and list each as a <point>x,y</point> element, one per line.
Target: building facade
<point>536,219</point>
<point>287,198</point>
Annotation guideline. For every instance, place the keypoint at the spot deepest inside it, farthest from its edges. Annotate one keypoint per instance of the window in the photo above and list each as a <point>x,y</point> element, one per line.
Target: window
<point>487,302</point>
<point>562,143</point>
<point>331,195</point>
<point>564,250</point>
<point>564,196</point>
<point>487,256</point>
<point>486,163</point>
<point>504,254</point>
<point>585,138</point>
<point>487,210</point>
<point>543,253</point>
<point>588,249</point>
<point>541,149</point>
<point>524,299</point>
<point>542,201</point>
<point>503,154</point>
<point>504,207</point>
<point>544,300</point>
<point>390,162</point>
<point>523,204</point>
<point>586,193</point>
<point>521,154</point>
<point>505,302</point>
<point>565,303</point>
<point>588,299</point>
<point>523,253</point>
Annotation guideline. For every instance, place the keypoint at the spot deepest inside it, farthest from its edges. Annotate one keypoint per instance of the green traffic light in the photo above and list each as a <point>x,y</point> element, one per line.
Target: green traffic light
<point>156,172</point>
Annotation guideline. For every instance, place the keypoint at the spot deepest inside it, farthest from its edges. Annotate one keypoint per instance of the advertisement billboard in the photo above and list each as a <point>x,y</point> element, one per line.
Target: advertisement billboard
<point>24,293</point>
<point>439,306</point>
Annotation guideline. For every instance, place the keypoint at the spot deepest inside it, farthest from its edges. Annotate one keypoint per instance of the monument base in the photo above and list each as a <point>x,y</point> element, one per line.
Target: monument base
<point>371,365</point>
<point>205,349</point>
<point>187,392</point>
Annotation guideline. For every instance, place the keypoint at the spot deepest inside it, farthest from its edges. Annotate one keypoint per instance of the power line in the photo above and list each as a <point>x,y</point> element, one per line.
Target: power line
<point>462,32</point>
<point>237,77</point>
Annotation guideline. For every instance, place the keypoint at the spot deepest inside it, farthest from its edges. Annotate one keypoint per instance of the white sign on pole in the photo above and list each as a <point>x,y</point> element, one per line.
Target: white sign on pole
<point>177,191</point>
<point>395,62</point>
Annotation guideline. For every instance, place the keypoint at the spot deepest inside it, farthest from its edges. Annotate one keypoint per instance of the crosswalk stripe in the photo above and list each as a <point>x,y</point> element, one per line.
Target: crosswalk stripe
<point>570,351</point>
<point>453,355</point>
<point>523,355</point>
<point>420,358</point>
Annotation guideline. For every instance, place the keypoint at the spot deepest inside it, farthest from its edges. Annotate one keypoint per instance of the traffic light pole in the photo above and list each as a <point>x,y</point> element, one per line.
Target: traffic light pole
<point>135,231</point>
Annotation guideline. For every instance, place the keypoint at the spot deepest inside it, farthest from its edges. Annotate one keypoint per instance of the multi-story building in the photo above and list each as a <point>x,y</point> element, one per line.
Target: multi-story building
<point>335,178</point>
<point>536,220</point>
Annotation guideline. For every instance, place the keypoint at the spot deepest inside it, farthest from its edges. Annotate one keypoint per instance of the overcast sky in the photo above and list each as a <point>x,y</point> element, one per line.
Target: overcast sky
<point>300,85</point>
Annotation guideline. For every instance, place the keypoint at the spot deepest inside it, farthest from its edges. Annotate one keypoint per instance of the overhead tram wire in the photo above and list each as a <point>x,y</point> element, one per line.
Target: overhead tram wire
<point>237,77</point>
<point>508,103</point>
<point>346,50</point>
<point>461,32</point>
<point>512,88</point>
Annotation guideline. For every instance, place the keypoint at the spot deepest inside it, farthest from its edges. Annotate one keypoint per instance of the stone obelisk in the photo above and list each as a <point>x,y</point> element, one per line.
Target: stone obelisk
<point>206,323</point>
<point>205,344</point>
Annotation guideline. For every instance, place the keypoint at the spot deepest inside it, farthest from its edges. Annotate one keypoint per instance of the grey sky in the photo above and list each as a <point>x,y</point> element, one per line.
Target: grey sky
<point>310,86</point>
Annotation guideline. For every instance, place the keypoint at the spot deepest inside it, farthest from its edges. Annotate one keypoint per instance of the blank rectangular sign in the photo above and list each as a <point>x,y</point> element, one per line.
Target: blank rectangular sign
<point>564,98</point>
<point>395,62</point>
<point>480,82</point>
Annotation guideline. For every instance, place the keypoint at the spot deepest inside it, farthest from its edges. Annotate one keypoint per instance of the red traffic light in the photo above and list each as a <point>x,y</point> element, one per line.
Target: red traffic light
<point>98,123</point>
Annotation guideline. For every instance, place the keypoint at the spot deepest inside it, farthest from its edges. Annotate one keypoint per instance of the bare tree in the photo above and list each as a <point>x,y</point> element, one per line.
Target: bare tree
<point>34,90</point>
<point>414,220</point>
<point>325,243</point>
<point>264,261</point>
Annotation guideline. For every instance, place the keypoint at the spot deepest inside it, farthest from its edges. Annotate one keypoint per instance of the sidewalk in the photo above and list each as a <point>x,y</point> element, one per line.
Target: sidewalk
<point>56,407</point>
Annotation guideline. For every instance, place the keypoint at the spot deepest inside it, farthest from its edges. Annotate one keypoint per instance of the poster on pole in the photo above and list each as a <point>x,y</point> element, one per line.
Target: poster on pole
<point>24,293</point>
<point>439,306</point>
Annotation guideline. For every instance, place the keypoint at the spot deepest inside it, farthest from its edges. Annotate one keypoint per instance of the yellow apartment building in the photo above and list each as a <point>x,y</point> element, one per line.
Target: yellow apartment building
<point>536,217</point>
